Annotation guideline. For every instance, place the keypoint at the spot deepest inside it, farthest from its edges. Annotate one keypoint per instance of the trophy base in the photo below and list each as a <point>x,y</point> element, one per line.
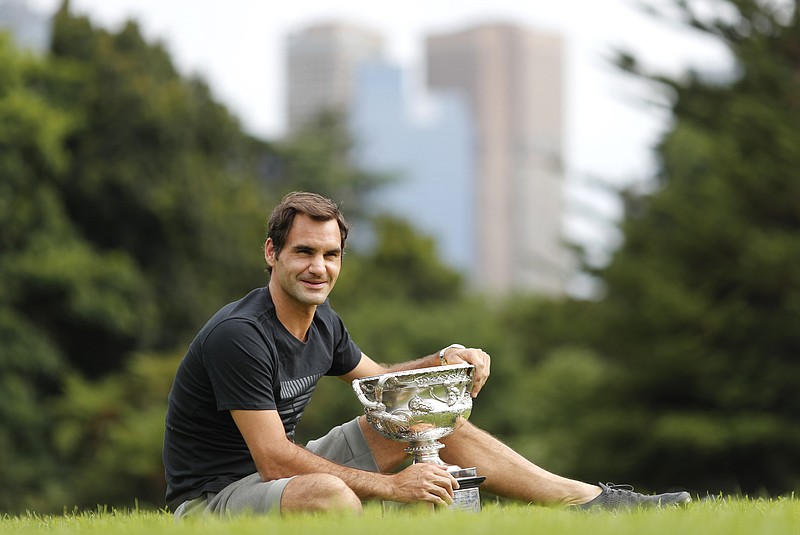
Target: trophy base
<point>467,497</point>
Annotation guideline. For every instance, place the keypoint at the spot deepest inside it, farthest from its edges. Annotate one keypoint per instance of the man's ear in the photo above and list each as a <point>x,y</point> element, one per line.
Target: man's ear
<point>269,252</point>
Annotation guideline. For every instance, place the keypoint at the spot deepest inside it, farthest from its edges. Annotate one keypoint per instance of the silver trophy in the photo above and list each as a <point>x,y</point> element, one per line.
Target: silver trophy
<point>420,407</point>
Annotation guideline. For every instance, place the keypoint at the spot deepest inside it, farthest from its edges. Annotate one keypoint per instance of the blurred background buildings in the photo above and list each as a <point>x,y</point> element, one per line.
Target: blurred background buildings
<point>321,65</point>
<point>430,129</point>
<point>475,150</point>
<point>477,156</point>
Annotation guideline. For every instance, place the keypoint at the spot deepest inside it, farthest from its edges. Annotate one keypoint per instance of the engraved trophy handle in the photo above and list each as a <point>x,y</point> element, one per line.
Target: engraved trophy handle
<point>376,405</point>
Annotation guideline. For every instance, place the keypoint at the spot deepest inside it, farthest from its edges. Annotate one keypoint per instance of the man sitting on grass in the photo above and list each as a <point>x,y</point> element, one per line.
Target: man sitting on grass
<point>245,380</point>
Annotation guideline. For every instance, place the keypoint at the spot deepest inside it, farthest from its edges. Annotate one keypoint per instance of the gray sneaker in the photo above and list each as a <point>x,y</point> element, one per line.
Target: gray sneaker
<point>616,497</point>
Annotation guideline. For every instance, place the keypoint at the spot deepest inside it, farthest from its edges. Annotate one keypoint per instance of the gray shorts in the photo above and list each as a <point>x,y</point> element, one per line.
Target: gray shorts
<point>344,444</point>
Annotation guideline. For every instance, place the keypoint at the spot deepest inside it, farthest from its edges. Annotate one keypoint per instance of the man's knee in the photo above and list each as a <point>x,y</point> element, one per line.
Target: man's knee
<point>319,492</point>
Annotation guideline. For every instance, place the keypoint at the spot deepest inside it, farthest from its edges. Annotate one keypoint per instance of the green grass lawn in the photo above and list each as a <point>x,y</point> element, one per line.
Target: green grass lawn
<point>709,517</point>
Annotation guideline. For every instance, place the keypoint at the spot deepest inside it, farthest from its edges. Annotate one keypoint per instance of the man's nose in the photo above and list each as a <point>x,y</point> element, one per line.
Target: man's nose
<point>317,264</point>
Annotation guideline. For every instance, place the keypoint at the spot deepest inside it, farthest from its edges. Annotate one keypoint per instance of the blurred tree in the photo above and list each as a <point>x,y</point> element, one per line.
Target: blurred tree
<point>403,264</point>
<point>318,158</point>
<point>161,174</point>
<point>109,432</point>
<point>54,282</point>
<point>127,202</point>
<point>703,299</point>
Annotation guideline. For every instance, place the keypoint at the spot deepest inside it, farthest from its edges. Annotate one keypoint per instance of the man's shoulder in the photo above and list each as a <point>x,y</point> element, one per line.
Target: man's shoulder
<point>248,310</point>
<point>252,306</point>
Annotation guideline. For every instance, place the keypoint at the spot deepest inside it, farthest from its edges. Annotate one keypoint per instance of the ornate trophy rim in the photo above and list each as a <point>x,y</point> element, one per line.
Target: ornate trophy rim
<point>417,371</point>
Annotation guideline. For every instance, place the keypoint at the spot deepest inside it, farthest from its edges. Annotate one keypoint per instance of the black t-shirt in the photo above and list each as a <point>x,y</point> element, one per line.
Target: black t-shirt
<point>243,358</point>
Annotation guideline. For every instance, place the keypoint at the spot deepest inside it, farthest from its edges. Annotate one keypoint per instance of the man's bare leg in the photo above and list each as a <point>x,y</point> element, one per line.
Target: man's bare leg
<point>318,492</point>
<point>389,454</point>
<point>507,473</point>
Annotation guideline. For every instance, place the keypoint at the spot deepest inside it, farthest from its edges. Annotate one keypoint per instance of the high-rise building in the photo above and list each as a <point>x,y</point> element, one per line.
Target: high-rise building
<point>341,67</point>
<point>429,156</point>
<point>321,62</point>
<point>511,78</point>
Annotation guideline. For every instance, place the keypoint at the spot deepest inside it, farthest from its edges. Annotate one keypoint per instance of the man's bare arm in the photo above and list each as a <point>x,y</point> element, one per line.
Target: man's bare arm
<point>276,457</point>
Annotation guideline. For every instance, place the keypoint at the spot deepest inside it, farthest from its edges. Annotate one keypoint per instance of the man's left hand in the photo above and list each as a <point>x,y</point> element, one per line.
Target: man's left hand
<point>478,358</point>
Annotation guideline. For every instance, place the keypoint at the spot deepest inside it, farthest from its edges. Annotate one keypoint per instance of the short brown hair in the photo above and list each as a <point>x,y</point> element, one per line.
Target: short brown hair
<point>313,205</point>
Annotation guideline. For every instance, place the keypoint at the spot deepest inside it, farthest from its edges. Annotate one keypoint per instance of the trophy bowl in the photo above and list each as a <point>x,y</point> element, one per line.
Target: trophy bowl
<point>418,406</point>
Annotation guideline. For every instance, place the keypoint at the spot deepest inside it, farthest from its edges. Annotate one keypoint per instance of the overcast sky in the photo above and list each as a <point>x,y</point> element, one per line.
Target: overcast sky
<point>237,46</point>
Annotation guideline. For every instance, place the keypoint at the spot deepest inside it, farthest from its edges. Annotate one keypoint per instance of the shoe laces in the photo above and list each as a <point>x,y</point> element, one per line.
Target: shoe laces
<point>618,488</point>
<point>623,496</point>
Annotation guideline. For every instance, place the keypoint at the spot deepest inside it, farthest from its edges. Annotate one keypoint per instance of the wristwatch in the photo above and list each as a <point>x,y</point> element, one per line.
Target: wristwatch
<point>442,352</point>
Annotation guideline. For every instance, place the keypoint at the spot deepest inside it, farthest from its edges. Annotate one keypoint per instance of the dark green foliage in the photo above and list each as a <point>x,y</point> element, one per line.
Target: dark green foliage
<point>161,172</point>
<point>54,283</point>
<point>403,265</point>
<point>129,210</point>
<point>703,299</point>
<point>112,430</point>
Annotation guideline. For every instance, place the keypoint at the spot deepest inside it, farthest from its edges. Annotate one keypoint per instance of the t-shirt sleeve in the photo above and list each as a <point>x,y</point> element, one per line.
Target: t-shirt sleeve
<point>346,354</point>
<point>240,366</point>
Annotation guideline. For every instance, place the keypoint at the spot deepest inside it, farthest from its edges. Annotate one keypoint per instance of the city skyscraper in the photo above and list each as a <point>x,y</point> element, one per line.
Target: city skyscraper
<point>321,62</point>
<point>341,67</point>
<point>485,178</point>
<point>512,80</point>
<point>429,155</point>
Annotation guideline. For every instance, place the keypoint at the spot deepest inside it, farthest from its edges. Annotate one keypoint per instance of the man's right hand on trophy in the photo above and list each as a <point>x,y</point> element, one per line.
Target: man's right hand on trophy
<point>457,354</point>
<point>424,482</point>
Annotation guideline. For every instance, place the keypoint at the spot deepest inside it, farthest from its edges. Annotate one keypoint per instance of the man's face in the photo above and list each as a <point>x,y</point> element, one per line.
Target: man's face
<point>306,268</point>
